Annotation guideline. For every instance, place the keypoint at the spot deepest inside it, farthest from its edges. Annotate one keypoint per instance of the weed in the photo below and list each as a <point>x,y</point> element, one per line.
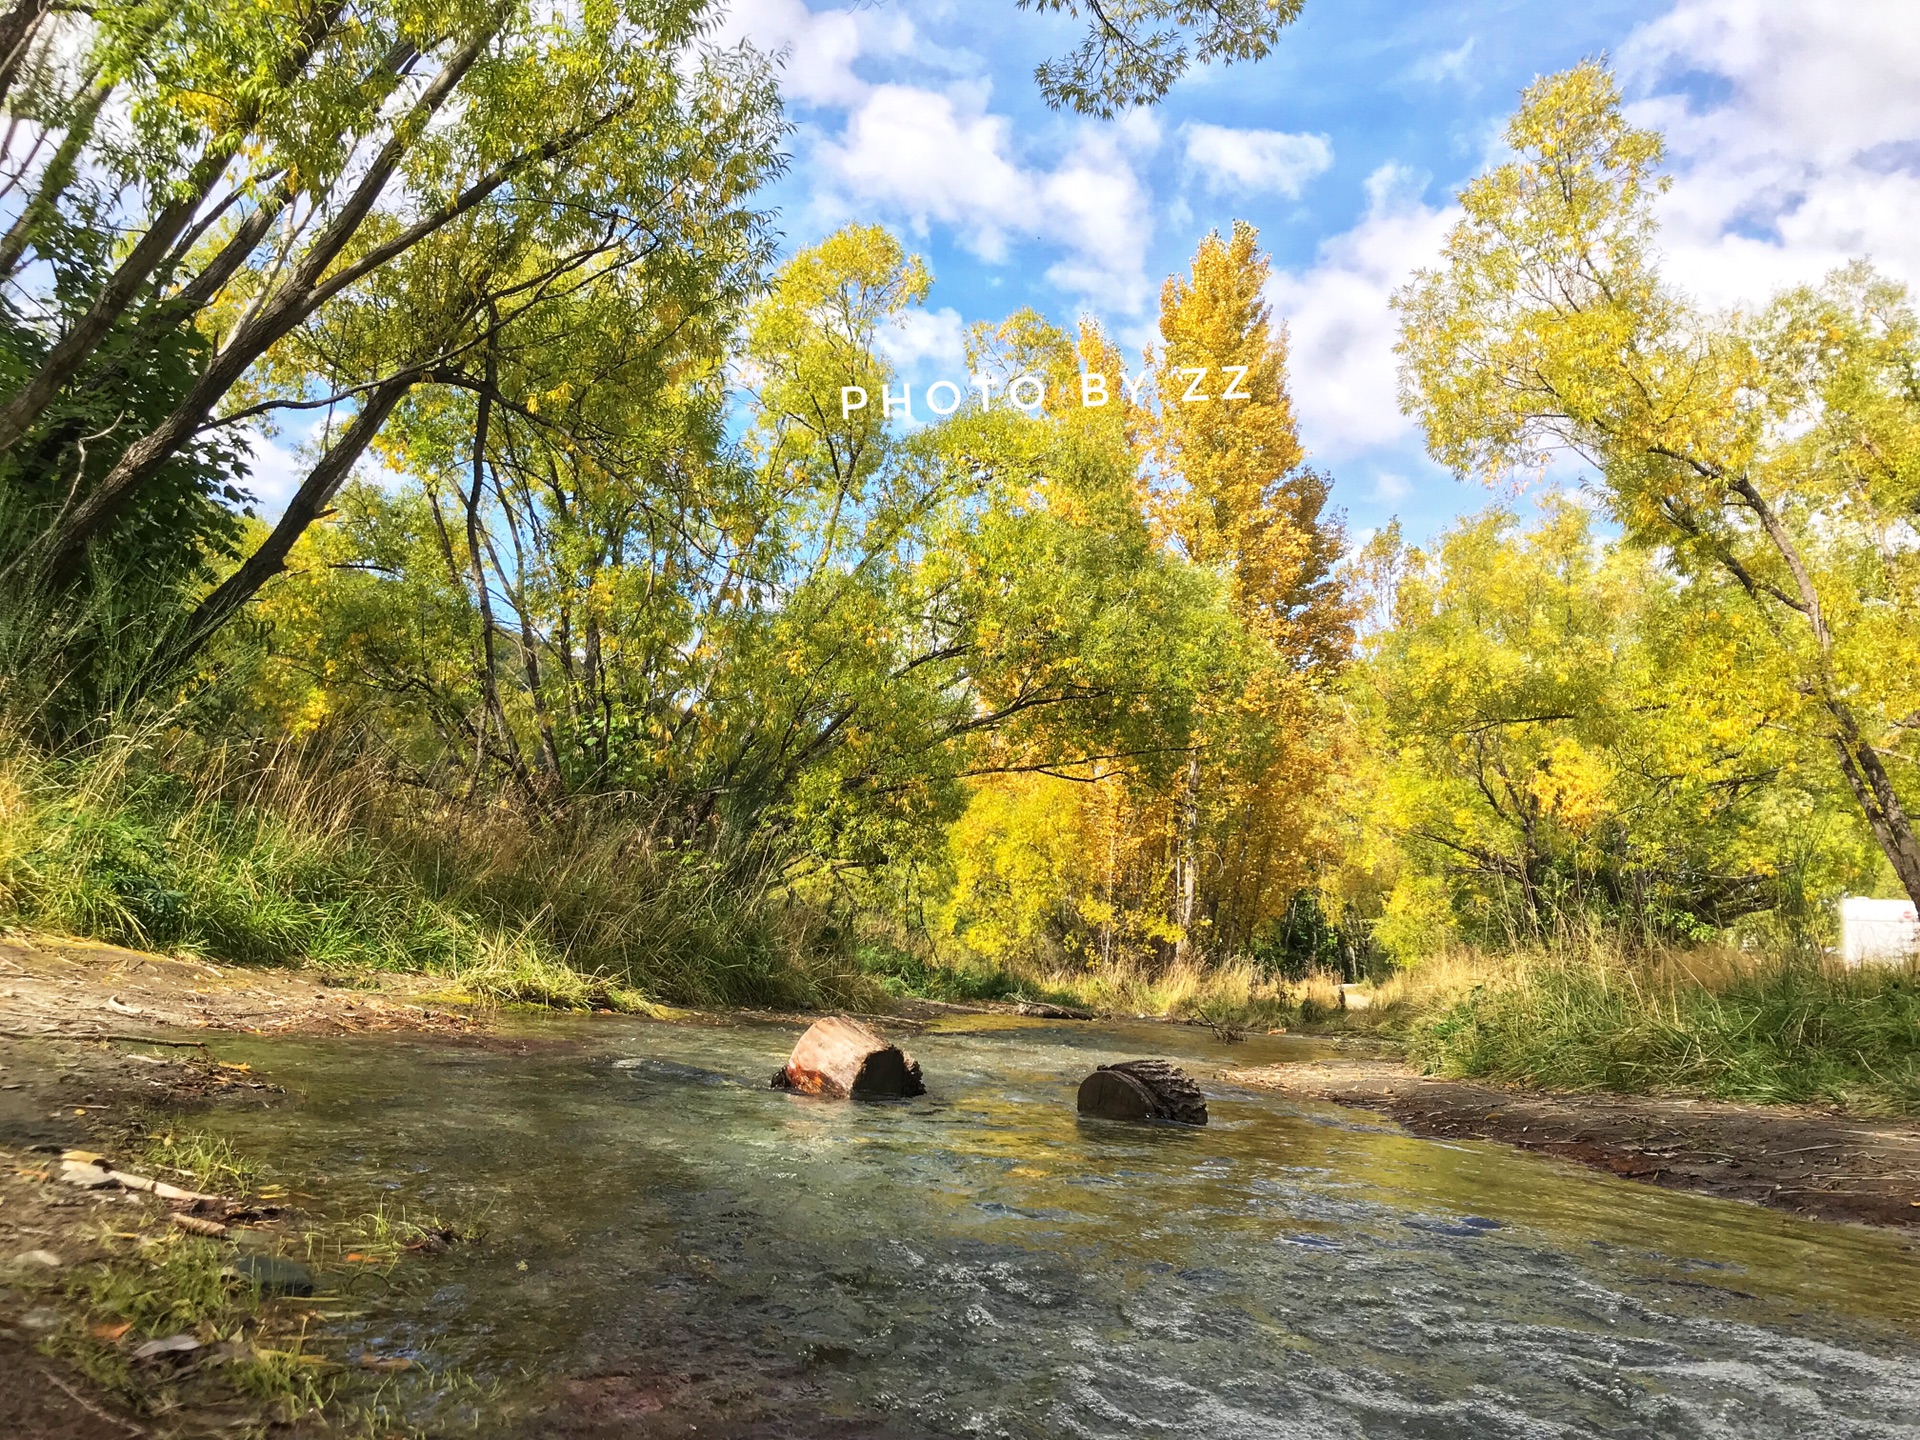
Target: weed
<point>298,854</point>
<point>209,1161</point>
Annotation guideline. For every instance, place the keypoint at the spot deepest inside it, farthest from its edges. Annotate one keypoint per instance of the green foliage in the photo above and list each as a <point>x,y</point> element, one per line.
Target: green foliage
<point>1774,1031</point>
<point>1554,744</point>
<point>1135,50</point>
<point>70,658</point>
<point>1770,455</point>
<point>903,972</point>
<point>304,857</point>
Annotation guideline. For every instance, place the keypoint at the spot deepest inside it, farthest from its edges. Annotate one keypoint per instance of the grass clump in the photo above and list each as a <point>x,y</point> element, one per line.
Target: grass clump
<point>294,853</point>
<point>208,1162</point>
<point>1722,1024</point>
<point>174,1284</point>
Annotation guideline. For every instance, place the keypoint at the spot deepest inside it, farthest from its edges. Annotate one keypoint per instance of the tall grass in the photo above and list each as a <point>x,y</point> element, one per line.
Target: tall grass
<point>288,854</point>
<point>1792,1027</point>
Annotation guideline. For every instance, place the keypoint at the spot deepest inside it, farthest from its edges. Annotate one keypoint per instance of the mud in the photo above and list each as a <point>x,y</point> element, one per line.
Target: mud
<point>1807,1161</point>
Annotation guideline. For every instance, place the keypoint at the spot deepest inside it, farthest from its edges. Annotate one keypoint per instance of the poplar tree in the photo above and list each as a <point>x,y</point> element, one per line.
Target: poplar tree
<point>1233,492</point>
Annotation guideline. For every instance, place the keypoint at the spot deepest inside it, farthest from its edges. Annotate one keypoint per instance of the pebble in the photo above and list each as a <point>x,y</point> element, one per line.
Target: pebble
<point>44,1258</point>
<point>41,1319</point>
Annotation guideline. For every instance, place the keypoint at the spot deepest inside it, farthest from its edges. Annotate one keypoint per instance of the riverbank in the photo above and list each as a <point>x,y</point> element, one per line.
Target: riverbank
<point>1808,1161</point>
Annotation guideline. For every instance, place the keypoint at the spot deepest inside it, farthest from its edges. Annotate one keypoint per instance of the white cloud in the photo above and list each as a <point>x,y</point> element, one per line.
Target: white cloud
<point>1444,65</point>
<point>918,336</point>
<point>1805,157</point>
<point>275,471</point>
<point>817,48</point>
<point>1341,326</point>
<point>1257,160</point>
<point>941,157</point>
<point>1389,488</point>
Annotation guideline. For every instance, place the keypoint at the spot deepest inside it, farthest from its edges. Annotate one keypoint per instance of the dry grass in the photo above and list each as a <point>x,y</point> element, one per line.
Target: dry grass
<point>270,855</point>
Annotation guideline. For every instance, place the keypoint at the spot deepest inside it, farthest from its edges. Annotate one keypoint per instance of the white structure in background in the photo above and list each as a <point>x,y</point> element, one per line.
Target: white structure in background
<point>1883,931</point>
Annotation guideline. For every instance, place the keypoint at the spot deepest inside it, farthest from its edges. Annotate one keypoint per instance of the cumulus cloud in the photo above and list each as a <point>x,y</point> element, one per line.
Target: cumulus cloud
<point>274,471</point>
<point>1249,161</point>
<point>919,337</point>
<point>817,49</point>
<point>929,156</point>
<point>1341,325</point>
<point>1802,154</point>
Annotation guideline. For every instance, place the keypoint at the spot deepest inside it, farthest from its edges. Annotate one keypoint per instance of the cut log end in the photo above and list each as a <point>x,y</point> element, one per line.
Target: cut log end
<point>1142,1090</point>
<point>842,1058</point>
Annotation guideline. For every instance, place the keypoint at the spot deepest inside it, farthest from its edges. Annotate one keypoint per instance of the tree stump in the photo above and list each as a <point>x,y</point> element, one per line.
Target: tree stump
<point>1143,1090</point>
<point>843,1058</point>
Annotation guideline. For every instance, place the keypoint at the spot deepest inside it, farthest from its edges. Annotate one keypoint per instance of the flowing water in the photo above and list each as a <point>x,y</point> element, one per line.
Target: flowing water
<point>673,1248</point>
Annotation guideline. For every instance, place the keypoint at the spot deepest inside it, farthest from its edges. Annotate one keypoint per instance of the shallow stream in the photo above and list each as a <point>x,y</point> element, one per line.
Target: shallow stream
<point>673,1248</point>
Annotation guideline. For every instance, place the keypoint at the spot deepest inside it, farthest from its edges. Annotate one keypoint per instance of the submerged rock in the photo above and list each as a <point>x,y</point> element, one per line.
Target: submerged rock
<point>843,1058</point>
<point>1143,1090</point>
<point>271,1275</point>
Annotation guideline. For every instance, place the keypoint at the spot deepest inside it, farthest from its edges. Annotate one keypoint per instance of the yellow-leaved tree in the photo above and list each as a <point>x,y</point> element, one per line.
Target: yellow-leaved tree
<point>1774,451</point>
<point>1229,488</point>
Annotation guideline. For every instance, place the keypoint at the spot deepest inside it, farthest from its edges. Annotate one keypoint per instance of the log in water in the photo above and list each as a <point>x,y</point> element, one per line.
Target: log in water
<point>1143,1090</point>
<point>843,1058</point>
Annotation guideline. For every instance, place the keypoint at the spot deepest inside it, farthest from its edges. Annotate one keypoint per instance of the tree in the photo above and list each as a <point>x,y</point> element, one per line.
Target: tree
<point>1233,494</point>
<point>792,650</point>
<point>1774,449</point>
<point>1135,50</point>
<point>1555,748</point>
<point>282,166</point>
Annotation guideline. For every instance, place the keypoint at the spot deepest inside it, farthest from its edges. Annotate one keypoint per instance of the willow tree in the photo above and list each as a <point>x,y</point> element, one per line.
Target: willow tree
<point>263,169</point>
<point>1776,449</point>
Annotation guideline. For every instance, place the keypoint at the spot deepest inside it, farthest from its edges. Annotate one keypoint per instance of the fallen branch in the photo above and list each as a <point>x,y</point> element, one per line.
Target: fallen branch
<point>123,1039</point>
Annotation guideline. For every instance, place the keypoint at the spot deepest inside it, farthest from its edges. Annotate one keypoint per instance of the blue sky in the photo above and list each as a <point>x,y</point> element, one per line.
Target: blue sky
<point>1794,127</point>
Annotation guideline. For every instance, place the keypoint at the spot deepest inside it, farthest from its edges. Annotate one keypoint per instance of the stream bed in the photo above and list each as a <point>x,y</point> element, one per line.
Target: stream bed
<point>672,1248</point>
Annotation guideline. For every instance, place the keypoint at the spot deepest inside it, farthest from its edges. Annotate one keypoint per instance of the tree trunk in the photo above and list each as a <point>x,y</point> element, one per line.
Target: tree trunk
<point>297,297</point>
<point>70,352</point>
<point>1873,788</point>
<point>1859,761</point>
<point>1142,1090</point>
<point>843,1058</point>
<point>1188,863</point>
<point>313,496</point>
<point>18,26</point>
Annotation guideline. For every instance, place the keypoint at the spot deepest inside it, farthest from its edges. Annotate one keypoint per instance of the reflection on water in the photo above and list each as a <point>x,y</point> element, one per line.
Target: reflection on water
<point>982,1262</point>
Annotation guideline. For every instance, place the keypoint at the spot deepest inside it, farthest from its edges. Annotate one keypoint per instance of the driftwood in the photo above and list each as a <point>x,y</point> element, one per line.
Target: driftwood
<point>842,1057</point>
<point>1142,1090</point>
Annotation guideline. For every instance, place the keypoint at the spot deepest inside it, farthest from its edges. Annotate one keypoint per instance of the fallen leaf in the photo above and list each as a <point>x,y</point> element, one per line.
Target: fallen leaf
<point>390,1363</point>
<point>171,1345</point>
<point>109,1333</point>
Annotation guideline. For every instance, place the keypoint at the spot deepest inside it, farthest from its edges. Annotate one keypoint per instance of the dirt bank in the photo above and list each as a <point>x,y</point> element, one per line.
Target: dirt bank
<point>78,988</point>
<point>1811,1162</point>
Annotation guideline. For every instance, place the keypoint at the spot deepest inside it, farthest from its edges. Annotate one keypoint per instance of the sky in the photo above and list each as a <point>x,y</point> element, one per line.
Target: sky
<point>1793,127</point>
<point>1794,146</point>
